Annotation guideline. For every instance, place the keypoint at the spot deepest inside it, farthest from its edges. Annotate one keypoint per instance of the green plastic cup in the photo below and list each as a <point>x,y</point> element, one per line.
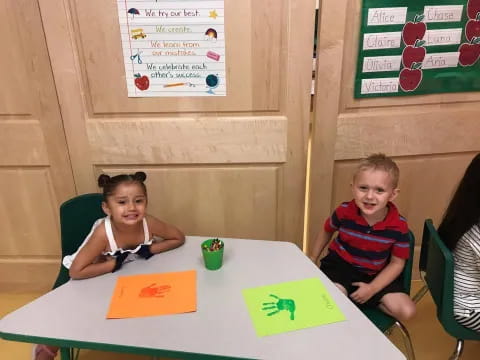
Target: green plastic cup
<point>213,259</point>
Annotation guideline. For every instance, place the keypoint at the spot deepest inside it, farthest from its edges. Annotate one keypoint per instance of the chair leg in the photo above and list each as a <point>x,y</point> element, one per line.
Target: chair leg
<point>420,293</point>
<point>75,354</point>
<point>458,350</point>
<point>407,340</point>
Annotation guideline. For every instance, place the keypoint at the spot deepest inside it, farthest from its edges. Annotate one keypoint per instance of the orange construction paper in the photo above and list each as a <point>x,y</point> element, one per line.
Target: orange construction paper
<point>154,294</point>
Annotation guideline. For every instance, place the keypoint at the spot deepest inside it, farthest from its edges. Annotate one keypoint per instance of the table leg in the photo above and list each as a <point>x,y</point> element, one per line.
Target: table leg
<point>65,353</point>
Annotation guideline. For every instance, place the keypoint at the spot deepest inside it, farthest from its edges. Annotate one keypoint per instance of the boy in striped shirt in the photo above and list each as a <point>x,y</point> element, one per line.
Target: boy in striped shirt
<point>367,257</point>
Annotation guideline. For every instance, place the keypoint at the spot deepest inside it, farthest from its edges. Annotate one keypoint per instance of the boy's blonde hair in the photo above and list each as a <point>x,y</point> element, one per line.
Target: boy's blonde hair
<point>380,161</point>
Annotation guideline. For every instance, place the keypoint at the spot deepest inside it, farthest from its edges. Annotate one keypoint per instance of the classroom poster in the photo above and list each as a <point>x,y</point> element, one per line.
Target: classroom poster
<point>173,47</point>
<point>154,294</point>
<point>290,306</point>
<point>410,47</point>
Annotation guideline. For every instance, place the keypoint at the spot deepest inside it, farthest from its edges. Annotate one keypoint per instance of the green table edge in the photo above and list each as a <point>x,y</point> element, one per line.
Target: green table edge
<point>111,347</point>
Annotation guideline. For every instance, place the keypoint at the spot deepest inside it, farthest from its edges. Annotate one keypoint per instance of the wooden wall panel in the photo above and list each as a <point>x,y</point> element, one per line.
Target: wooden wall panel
<point>328,77</point>
<point>13,71</point>
<point>234,201</point>
<point>197,141</point>
<point>253,69</point>
<point>24,143</point>
<point>35,172</point>
<point>28,212</point>
<point>413,131</point>
<point>28,275</point>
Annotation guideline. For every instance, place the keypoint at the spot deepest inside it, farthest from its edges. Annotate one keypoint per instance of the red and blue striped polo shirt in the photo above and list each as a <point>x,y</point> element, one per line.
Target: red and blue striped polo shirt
<point>368,247</point>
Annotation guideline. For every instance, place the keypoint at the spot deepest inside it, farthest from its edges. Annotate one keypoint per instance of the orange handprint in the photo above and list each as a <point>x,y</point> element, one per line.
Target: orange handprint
<point>154,291</point>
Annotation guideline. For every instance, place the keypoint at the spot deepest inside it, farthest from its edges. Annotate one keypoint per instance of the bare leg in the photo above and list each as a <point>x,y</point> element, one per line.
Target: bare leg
<point>45,352</point>
<point>398,305</point>
<point>385,309</point>
<point>341,288</point>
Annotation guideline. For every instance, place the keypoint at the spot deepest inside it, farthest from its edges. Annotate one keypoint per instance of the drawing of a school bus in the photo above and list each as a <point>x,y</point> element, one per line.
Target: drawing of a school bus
<point>138,33</point>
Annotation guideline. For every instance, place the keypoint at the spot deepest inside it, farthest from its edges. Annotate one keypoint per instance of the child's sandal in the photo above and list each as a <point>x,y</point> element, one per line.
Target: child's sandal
<point>39,348</point>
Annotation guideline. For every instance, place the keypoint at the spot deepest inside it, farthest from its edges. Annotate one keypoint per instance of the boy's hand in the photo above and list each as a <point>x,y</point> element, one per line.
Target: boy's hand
<point>363,293</point>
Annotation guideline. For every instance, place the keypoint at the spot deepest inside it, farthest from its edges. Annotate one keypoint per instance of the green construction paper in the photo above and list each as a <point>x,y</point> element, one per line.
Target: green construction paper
<point>289,306</point>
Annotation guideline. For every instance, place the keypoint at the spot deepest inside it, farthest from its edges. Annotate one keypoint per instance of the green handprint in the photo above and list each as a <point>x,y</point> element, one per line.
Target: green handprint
<point>281,304</point>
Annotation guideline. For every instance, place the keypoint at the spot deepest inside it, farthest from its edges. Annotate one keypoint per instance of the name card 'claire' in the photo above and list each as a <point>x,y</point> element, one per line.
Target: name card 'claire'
<point>384,40</point>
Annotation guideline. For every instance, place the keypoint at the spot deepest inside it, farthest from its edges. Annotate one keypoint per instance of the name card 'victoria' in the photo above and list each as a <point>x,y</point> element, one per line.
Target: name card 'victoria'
<point>379,85</point>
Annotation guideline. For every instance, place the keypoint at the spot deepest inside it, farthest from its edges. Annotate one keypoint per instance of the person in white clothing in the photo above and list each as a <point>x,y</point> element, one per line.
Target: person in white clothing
<point>460,231</point>
<point>127,233</point>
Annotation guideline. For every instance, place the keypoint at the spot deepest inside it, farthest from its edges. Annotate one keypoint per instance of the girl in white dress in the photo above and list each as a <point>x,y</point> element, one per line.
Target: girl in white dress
<point>125,234</point>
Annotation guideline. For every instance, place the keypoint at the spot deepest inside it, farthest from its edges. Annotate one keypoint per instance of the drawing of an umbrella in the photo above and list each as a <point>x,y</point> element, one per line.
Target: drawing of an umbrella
<point>134,12</point>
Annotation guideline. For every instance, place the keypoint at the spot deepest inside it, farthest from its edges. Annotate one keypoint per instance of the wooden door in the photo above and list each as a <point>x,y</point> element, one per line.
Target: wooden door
<point>35,172</point>
<point>221,166</point>
<point>431,137</point>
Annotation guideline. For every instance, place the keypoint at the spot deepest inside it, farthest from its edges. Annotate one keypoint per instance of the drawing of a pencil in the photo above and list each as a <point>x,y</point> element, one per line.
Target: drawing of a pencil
<point>174,84</point>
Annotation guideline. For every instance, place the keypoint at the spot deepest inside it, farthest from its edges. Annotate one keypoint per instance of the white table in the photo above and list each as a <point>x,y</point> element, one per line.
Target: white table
<point>73,315</point>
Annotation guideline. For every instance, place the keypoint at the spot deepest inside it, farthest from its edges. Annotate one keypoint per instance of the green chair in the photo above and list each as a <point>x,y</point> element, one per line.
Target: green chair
<point>439,279</point>
<point>422,267</point>
<point>77,216</point>
<point>386,323</point>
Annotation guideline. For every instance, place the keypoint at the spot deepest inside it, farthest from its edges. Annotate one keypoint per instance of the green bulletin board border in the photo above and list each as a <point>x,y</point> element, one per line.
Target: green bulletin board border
<point>459,79</point>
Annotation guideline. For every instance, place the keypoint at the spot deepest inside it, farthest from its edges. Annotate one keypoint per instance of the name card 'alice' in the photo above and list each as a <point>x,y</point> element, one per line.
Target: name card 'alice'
<point>387,16</point>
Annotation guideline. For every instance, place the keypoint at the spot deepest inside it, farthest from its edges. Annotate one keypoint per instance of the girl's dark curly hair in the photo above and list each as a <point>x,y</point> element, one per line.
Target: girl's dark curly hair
<point>109,184</point>
<point>464,209</point>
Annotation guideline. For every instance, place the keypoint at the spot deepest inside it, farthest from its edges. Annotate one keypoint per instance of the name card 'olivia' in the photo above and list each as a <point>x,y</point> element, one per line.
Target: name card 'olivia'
<point>384,40</point>
<point>446,13</point>
<point>387,16</point>
<point>381,63</point>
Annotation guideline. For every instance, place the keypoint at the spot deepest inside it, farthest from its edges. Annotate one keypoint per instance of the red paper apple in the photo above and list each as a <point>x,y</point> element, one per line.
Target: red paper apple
<point>410,78</point>
<point>413,54</point>
<point>473,8</point>
<point>472,29</point>
<point>469,52</point>
<point>142,82</point>
<point>413,31</point>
